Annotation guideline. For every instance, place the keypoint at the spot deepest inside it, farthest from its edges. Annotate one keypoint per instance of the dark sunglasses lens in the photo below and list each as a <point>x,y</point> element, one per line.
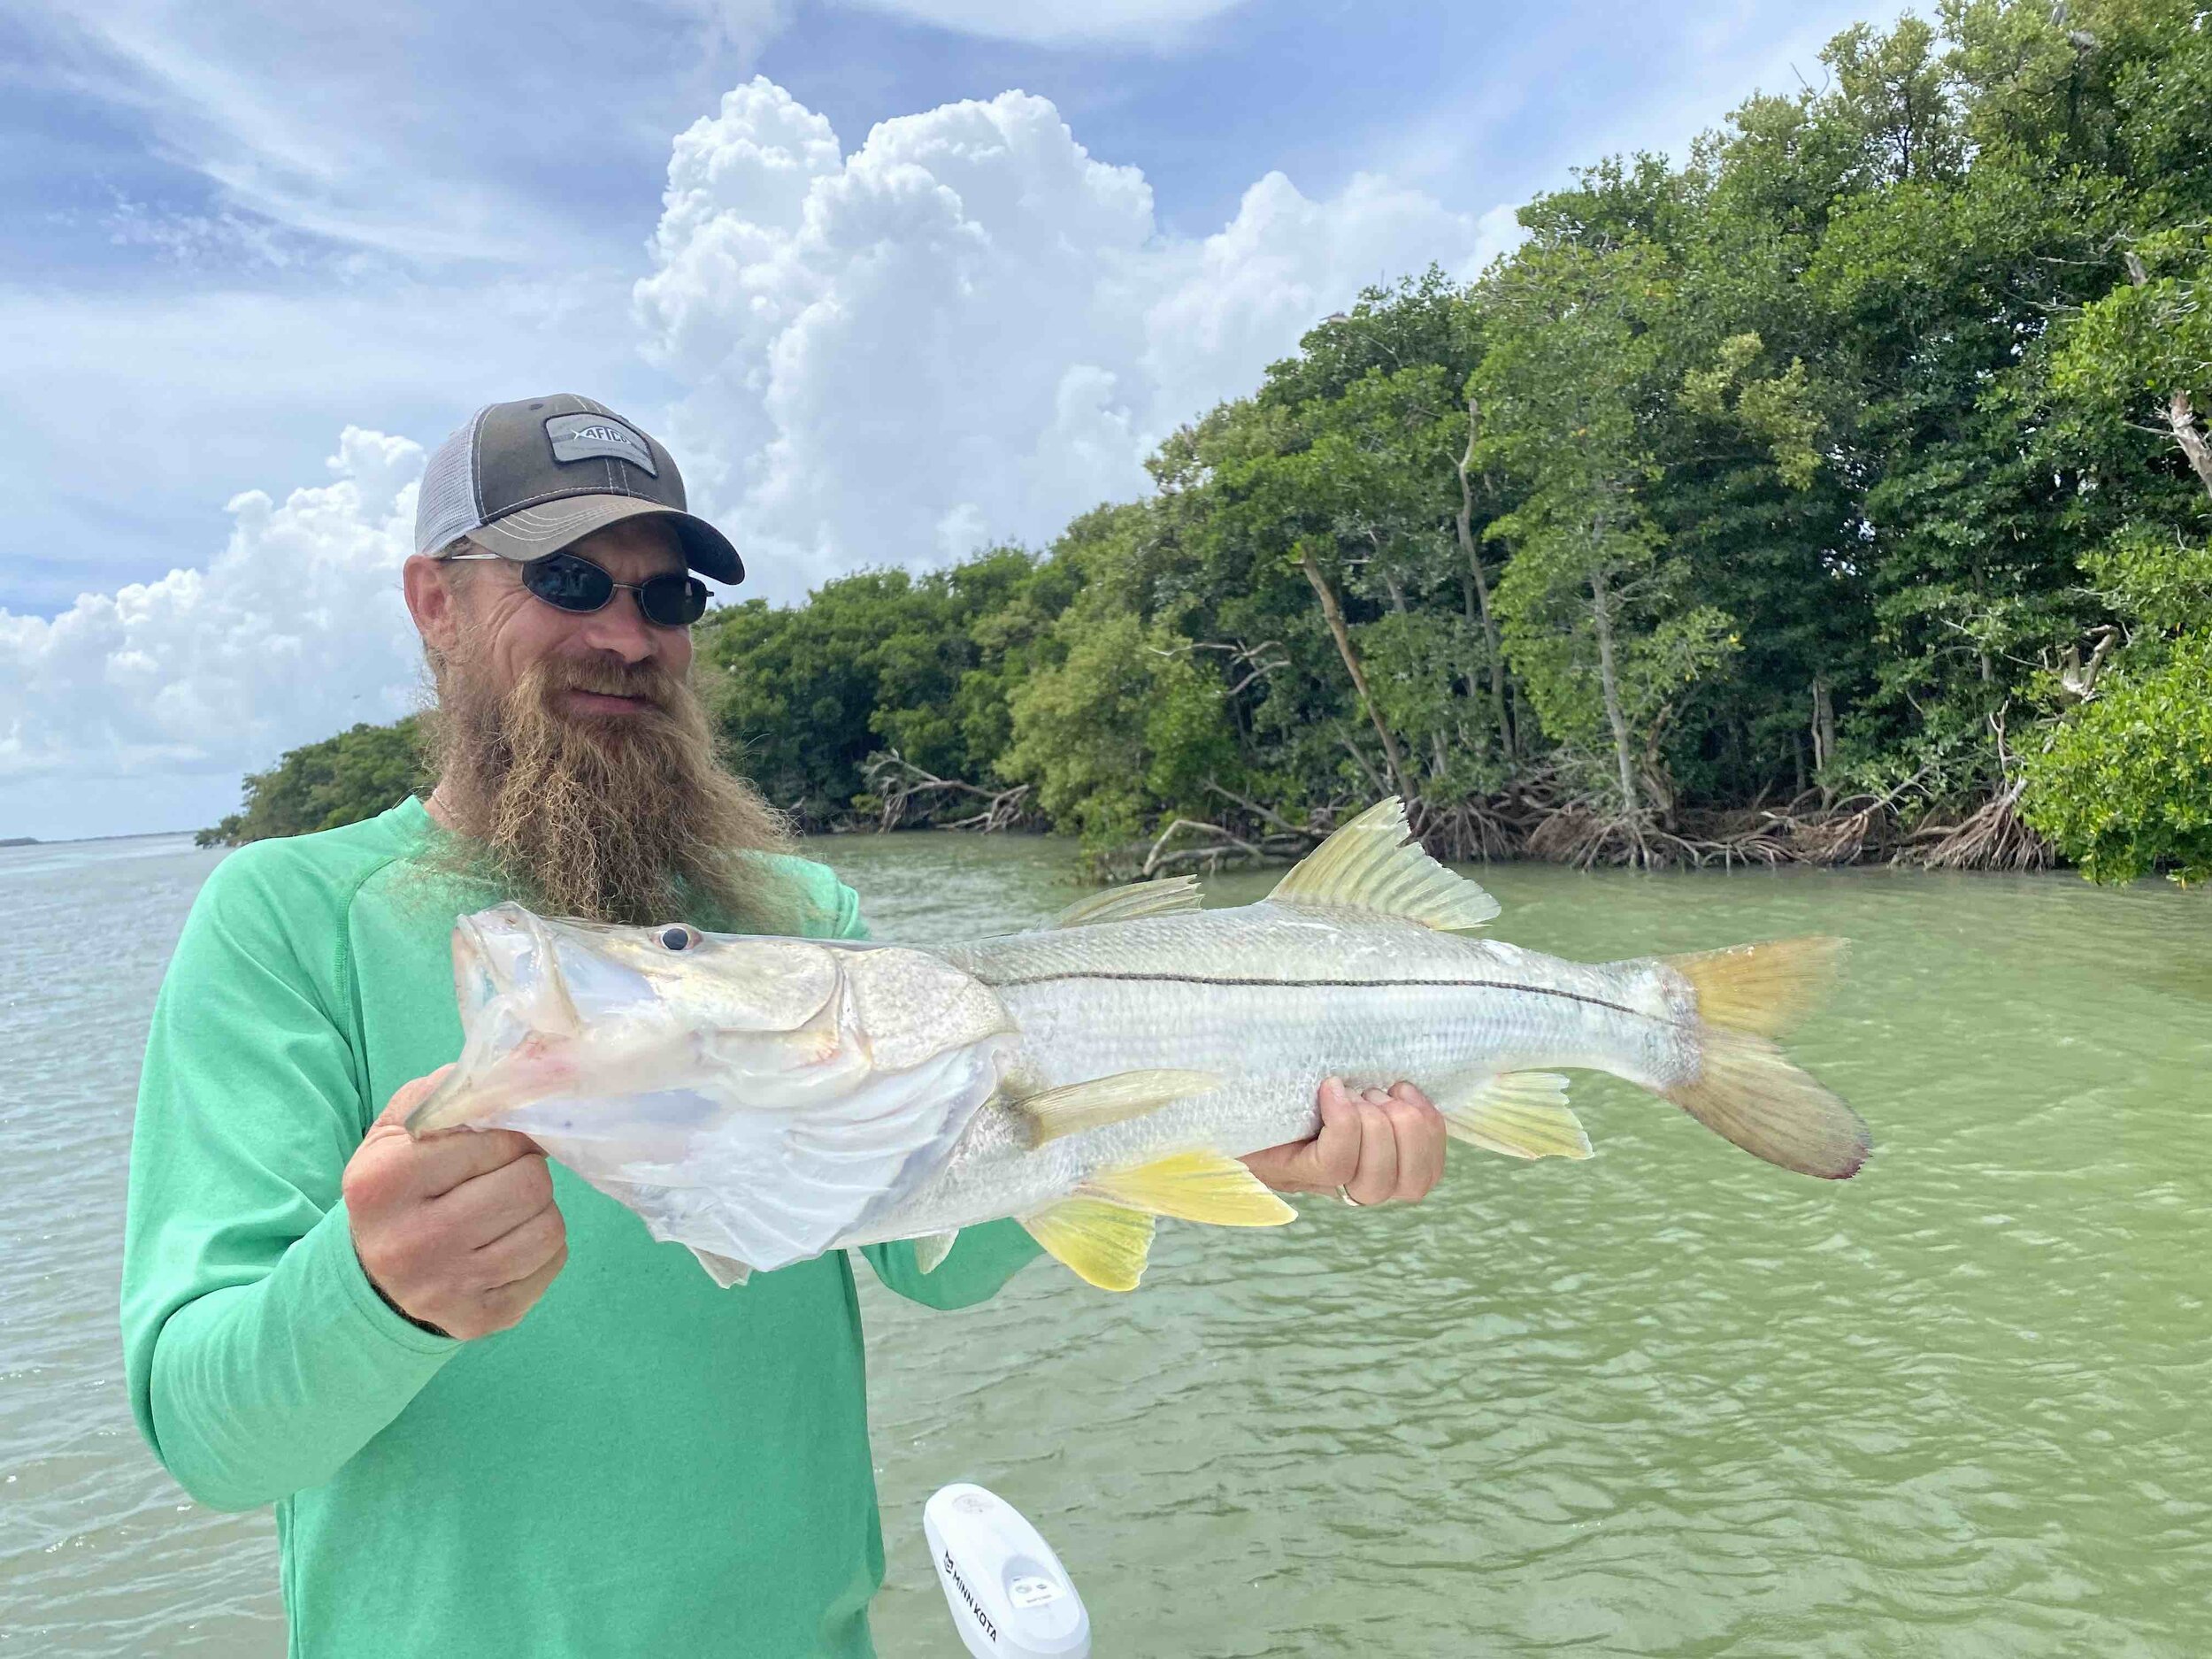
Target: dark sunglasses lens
<point>673,600</point>
<point>572,583</point>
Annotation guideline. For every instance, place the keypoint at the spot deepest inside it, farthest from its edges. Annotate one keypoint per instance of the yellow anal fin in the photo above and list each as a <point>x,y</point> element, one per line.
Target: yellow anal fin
<point>1522,1114</point>
<point>932,1248</point>
<point>1373,863</point>
<point>1163,897</point>
<point>1098,1101</point>
<point>1205,1187</point>
<point>1102,1244</point>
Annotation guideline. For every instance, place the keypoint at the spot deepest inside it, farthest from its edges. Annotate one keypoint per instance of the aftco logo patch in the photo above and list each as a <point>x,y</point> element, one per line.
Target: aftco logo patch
<point>587,437</point>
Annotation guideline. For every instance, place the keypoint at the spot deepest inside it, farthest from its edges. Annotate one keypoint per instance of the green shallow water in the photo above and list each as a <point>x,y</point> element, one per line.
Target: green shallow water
<point>1669,1401</point>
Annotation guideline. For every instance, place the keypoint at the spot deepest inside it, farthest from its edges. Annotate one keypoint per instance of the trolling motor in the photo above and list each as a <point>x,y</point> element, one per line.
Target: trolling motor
<point>1011,1598</point>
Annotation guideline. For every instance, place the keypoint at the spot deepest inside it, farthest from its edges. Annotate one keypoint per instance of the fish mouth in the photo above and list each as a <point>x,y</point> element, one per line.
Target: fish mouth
<point>443,1108</point>
<point>489,950</point>
<point>474,983</point>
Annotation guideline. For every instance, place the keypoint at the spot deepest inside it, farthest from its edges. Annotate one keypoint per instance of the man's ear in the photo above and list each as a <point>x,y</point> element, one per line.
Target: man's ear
<point>433,600</point>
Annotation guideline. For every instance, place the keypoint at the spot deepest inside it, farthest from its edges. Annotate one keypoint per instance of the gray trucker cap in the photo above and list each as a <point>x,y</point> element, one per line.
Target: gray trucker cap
<point>525,478</point>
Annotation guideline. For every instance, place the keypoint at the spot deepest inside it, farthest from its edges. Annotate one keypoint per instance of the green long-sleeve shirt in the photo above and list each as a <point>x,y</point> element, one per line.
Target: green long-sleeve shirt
<point>646,1464</point>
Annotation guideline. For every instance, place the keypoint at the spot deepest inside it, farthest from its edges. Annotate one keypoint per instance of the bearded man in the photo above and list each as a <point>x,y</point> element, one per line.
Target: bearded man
<point>495,1416</point>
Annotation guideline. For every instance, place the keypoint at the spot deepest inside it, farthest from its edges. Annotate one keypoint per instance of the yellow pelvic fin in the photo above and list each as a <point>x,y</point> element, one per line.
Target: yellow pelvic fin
<point>932,1248</point>
<point>1096,1101</point>
<point>1763,989</point>
<point>1163,897</point>
<point>1373,863</point>
<point>1102,1244</point>
<point>1522,1114</point>
<point>1205,1187</point>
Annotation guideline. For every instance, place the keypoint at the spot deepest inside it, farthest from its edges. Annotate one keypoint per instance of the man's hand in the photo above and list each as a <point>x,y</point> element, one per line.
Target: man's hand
<point>457,1230</point>
<point>1376,1146</point>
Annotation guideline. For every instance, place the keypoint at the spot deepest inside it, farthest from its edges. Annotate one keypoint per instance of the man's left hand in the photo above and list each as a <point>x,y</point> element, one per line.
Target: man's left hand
<point>1375,1144</point>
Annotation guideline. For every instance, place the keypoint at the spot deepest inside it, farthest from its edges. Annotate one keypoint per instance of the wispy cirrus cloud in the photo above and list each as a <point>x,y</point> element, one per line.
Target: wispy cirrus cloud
<point>412,131</point>
<point>1133,22</point>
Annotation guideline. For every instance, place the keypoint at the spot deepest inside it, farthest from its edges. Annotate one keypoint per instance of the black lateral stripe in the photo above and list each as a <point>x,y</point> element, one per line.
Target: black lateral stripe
<point>1320,985</point>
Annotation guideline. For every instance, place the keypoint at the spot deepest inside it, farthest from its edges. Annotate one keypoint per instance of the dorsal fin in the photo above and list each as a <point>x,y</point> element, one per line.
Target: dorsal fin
<point>1126,904</point>
<point>1374,863</point>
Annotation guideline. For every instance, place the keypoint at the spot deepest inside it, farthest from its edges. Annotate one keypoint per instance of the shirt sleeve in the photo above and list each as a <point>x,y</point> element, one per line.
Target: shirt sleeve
<point>259,1356</point>
<point>983,1259</point>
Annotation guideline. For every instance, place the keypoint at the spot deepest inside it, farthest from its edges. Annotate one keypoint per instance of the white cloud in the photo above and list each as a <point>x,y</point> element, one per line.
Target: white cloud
<point>293,631</point>
<point>1054,22</point>
<point>968,329</point>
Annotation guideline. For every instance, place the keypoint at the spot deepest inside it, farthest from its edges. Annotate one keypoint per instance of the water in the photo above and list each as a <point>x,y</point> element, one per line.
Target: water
<point>1667,1402</point>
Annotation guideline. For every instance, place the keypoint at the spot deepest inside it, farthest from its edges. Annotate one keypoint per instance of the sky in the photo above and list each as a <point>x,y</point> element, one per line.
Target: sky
<point>893,279</point>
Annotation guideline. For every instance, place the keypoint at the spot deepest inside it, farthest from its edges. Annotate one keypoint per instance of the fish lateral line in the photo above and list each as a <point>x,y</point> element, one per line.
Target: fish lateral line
<point>1322,984</point>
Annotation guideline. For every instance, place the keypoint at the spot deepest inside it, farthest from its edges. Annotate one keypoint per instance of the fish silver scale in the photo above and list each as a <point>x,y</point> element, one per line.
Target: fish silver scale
<point>1233,993</point>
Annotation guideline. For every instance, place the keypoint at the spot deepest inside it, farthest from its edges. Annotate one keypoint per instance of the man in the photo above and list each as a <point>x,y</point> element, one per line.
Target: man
<point>495,1416</point>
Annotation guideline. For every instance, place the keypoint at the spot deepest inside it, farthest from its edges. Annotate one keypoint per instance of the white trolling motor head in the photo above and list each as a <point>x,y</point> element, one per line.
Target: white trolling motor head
<point>1011,1598</point>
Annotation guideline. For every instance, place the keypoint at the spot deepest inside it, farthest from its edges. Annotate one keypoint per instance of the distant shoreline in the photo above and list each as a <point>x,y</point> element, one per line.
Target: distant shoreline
<point>80,841</point>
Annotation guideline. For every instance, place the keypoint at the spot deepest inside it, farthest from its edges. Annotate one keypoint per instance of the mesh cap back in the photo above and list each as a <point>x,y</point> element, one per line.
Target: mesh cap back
<point>445,506</point>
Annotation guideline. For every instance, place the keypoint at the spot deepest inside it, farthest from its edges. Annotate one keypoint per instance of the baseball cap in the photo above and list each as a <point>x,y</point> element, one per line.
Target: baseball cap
<point>525,478</point>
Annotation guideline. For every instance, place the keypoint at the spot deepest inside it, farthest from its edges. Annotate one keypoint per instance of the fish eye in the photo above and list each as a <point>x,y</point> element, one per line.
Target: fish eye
<point>676,936</point>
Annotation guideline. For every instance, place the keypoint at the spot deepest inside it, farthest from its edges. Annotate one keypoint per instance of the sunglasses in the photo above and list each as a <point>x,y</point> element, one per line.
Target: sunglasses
<point>569,581</point>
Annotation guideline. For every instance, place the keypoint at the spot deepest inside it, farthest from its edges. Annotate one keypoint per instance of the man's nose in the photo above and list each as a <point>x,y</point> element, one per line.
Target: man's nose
<point>620,628</point>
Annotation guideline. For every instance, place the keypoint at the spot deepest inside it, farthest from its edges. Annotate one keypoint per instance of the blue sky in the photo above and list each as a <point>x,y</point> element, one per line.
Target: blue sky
<point>238,230</point>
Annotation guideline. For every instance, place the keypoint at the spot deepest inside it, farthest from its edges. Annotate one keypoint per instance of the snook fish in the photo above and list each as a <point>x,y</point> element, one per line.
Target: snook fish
<point>764,1100</point>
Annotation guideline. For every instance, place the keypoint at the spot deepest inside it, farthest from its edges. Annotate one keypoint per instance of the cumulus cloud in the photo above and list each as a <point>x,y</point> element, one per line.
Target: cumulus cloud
<point>293,631</point>
<point>968,329</point>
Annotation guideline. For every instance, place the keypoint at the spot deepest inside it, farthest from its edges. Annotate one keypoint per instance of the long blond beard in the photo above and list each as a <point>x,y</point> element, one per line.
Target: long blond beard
<point>626,819</point>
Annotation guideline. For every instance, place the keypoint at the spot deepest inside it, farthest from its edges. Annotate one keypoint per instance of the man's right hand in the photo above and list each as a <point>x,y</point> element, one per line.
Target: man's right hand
<point>457,1230</point>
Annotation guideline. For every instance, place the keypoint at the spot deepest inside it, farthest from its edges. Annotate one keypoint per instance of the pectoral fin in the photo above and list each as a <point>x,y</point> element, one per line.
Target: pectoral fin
<point>1096,1100</point>
<point>932,1248</point>
<point>1102,1244</point>
<point>723,1270</point>
<point>1522,1114</point>
<point>1205,1187</point>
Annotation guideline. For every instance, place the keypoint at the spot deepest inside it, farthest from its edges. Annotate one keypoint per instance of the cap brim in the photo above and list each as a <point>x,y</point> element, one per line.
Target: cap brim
<point>540,531</point>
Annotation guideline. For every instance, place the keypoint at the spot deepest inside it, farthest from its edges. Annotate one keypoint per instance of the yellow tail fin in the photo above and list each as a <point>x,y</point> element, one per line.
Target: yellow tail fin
<point>1763,989</point>
<point>1746,1089</point>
